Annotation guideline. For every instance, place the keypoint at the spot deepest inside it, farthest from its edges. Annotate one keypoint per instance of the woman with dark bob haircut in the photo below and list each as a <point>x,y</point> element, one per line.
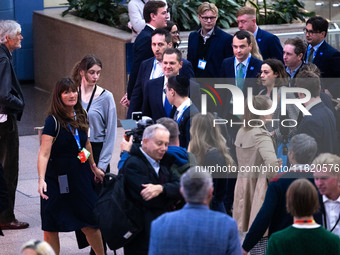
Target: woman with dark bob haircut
<point>64,169</point>
<point>304,236</point>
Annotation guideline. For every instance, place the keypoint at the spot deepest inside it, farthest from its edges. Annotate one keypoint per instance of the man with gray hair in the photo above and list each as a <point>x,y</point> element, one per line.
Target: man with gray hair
<point>11,108</point>
<point>327,179</point>
<point>150,184</point>
<point>195,229</point>
<point>273,215</point>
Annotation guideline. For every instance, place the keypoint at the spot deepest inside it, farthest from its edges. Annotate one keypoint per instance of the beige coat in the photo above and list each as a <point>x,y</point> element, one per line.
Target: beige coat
<point>255,151</point>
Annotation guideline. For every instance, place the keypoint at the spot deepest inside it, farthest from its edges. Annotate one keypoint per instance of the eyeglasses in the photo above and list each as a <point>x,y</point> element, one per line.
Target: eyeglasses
<point>205,19</point>
<point>306,31</point>
<point>175,32</point>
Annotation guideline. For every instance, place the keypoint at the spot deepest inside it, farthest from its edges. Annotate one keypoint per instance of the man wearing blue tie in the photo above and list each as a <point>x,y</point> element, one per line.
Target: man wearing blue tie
<point>242,66</point>
<point>155,102</point>
<point>324,56</point>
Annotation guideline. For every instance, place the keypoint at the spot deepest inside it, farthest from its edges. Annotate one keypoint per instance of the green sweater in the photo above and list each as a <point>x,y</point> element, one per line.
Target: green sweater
<point>296,241</point>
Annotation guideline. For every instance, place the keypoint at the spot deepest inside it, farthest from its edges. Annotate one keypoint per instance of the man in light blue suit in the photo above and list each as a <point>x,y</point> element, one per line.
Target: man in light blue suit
<point>195,229</point>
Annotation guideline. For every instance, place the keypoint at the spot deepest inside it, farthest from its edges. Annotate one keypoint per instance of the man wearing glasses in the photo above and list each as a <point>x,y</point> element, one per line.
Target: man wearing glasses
<point>324,56</point>
<point>209,45</point>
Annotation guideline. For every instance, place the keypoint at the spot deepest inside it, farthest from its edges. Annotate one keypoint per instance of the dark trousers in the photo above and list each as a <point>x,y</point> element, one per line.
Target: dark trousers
<point>81,238</point>
<point>9,158</point>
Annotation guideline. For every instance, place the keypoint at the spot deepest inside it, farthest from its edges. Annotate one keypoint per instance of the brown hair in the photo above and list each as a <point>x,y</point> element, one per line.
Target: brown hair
<point>58,109</point>
<point>84,65</point>
<point>309,81</point>
<point>279,69</point>
<point>205,136</point>
<point>260,102</point>
<point>300,46</point>
<point>172,126</point>
<point>151,7</point>
<point>302,198</point>
<point>246,10</point>
<point>170,51</point>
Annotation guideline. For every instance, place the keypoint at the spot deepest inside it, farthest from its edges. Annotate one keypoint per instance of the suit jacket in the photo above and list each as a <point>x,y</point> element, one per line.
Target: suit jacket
<point>228,71</point>
<point>153,100</point>
<point>141,51</point>
<point>219,49</point>
<point>144,73</point>
<point>184,125</point>
<point>194,230</point>
<point>269,44</point>
<point>273,213</point>
<point>327,59</point>
<point>137,171</point>
<point>321,126</point>
<point>11,97</point>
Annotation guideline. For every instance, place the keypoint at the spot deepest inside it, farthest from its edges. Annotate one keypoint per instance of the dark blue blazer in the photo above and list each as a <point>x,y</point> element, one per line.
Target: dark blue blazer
<point>219,49</point>
<point>184,125</point>
<point>153,100</point>
<point>141,51</point>
<point>273,214</point>
<point>144,73</point>
<point>254,68</point>
<point>321,126</point>
<point>327,59</point>
<point>269,44</point>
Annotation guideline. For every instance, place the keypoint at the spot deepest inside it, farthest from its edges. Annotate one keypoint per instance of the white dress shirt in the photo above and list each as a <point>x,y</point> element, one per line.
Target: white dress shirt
<point>332,208</point>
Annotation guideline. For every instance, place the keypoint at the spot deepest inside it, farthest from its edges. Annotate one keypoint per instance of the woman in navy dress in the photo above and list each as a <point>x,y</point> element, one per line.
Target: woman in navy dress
<point>66,183</point>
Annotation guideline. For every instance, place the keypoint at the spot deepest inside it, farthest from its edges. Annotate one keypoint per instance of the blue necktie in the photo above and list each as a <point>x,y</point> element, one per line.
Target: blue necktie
<point>167,107</point>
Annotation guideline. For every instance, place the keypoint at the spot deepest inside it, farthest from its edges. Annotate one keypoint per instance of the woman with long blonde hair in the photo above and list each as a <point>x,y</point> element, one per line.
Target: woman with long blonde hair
<point>210,149</point>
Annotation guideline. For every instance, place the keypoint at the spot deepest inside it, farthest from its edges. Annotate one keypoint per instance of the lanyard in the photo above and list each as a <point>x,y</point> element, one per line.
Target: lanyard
<point>76,133</point>
<point>178,119</point>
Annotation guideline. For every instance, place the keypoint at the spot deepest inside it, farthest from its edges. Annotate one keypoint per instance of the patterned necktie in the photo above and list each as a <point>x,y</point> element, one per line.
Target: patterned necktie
<point>311,55</point>
<point>167,107</point>
<point>239,76</point>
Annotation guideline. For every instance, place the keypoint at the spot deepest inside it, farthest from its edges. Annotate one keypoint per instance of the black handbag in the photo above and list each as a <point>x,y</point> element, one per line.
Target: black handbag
<point>118,218</point>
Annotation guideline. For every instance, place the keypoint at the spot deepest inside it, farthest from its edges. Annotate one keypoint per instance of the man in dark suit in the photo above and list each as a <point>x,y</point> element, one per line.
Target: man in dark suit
<point>242,68</point>
<point>11,109</point>
<point>273,214</point>
<point>269,44</point>
<point>195,229</point>
<point>293,53</point>
<point>155,15</point>
<point>151,185</point>
<point>208,46</point>
<point>324,56</point>
<point>177,92</point>
<point>155,102</point>
<point>321,123</point>
<point>152,68</point>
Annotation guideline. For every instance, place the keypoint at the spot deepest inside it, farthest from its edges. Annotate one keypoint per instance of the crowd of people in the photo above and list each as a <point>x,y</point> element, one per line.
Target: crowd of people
<point>289,201</point>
